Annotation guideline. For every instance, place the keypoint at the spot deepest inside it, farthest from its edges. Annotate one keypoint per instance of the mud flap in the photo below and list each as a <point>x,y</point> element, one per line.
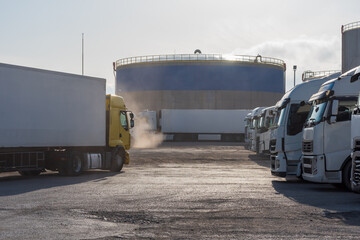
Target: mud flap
<point>127,158</point>
<point>299,170</point>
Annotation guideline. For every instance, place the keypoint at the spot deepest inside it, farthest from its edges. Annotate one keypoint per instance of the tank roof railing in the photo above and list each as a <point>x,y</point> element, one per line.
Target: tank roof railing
<point>201,57</point>
<point>350,26</point>
<point>307,75</point>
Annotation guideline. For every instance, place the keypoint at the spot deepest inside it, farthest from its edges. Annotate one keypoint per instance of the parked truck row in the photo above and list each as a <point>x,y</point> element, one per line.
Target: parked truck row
<point>313,124</point>
<point>61,122</point>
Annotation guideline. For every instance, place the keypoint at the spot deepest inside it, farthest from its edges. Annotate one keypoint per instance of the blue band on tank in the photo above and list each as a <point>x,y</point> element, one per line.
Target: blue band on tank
<point>236,77</point>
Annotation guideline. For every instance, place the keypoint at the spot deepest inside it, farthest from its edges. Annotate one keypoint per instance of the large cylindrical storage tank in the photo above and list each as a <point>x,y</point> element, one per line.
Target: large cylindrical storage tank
<point>350,46</point>
<point>199,81</point>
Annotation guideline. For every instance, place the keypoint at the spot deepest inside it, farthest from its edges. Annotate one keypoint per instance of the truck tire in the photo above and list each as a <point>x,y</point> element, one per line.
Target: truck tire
<point>346,175</point>
<point>30,173</point>
<point>74,166</point>
<point>117,160</point>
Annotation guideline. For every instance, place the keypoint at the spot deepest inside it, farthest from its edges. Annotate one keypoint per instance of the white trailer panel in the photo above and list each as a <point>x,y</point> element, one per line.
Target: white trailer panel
<point>40,108</point>
<point>202,121</point>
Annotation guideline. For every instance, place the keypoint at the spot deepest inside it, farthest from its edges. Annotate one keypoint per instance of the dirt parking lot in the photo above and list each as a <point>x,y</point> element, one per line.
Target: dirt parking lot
<point>177,191</point>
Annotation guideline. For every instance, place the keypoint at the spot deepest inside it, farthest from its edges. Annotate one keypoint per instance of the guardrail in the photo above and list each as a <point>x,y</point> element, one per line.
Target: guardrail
<point>318,74</point>
<point>200,57</point>
<point>350,26</point>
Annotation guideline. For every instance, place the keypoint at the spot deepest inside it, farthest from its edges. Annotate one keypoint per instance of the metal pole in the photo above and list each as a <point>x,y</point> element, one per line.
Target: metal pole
<point>294,67</point>
<point>294,77</point>
<point>82,57</point>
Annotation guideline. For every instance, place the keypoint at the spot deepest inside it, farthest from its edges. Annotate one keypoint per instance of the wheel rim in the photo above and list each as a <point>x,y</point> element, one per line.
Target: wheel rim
<point>77,164</point>
<point>118,160</point>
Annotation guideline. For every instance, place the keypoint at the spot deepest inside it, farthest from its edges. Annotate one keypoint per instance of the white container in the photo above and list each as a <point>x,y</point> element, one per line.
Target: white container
<point>203,121</point>
<point>40,108</point>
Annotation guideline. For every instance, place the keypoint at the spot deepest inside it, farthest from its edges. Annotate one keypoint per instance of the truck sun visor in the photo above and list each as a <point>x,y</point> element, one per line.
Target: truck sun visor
<point>321,95</point>
<point>283,103</point>
<point>355,77</point>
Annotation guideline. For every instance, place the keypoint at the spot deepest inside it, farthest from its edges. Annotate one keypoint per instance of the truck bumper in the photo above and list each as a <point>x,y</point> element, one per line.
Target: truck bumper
<point>278,164</point>
<point>355,172</point>
<point>281,166</point>
<point>314,170</point>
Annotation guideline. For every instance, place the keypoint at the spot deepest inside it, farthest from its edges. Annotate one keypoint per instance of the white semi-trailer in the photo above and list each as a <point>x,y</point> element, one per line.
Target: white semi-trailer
<point>292,111</point>
<point>325,146</point>
<point>60,121</point>
<point>202,124</point>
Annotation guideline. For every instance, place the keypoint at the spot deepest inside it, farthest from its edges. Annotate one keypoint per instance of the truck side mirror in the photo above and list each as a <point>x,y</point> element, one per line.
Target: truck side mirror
<point>334,111</point>
<point>332,119</point>
<point>335,107</point>
<point>132,123</point>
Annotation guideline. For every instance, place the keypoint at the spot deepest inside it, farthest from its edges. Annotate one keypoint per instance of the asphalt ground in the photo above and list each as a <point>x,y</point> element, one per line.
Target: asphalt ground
<point>177,191</point>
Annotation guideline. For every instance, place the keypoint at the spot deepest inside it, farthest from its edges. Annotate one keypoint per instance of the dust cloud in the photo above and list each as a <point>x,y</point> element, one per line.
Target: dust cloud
<point>144,135</point>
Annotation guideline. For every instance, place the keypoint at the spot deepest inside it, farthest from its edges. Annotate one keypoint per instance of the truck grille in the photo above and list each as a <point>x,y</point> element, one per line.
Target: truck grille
<point>272,144</point>
<point>272,161</point>
<point>357,144</point>
<point>307,161</point>
<point>307,170</point>
<point>309,165</point>
<point>356,170</point>
<point>307,147</point>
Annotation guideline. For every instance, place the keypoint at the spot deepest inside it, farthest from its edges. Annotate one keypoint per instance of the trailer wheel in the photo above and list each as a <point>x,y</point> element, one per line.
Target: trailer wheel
<point>346,174</point>
<point>117,160</point>
<point>30,173</point>
<point>74,165</point>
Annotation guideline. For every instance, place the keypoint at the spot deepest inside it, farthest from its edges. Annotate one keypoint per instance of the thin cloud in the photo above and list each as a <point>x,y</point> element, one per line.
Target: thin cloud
<point>307,53</point>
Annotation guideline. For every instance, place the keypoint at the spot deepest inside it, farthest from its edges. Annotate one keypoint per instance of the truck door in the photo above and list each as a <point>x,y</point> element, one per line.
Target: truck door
<point>124,130</point>
<point>336,149</point>
<point>295,122</point>
<point>117,124</point>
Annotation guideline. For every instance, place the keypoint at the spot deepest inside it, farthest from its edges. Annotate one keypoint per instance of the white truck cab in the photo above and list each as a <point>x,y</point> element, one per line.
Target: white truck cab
<point>355,147</point>
<point>254,139</point>
<point>326,152</point>
<point>285,145</point>
<point>266,122</point>
<point>247,131</point>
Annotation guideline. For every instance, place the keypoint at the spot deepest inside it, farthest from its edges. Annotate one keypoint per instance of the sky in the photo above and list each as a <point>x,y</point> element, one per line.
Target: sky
<point>47,34</point>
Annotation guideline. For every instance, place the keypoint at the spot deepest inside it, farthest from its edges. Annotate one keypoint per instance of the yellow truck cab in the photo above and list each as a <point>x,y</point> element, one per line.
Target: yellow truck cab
<point>118,123</point>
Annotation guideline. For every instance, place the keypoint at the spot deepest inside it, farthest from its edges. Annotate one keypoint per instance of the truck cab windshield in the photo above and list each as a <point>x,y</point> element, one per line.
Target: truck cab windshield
<point>123,120</point>
<point>316,112</point>
<point>297,117</point>
<point>271,121</point>
<point>281,117</point>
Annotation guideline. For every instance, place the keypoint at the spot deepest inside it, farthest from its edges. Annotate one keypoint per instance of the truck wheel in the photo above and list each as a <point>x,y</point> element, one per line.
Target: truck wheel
<point>117,160</point>
<point>74,165</point>
<point>30,173</point>
<point>346,175</point>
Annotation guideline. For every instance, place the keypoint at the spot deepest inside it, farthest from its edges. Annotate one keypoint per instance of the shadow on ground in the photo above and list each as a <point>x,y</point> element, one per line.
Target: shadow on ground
<point>331,199</point>
<point>260,159</point>
<point>14,185</point>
